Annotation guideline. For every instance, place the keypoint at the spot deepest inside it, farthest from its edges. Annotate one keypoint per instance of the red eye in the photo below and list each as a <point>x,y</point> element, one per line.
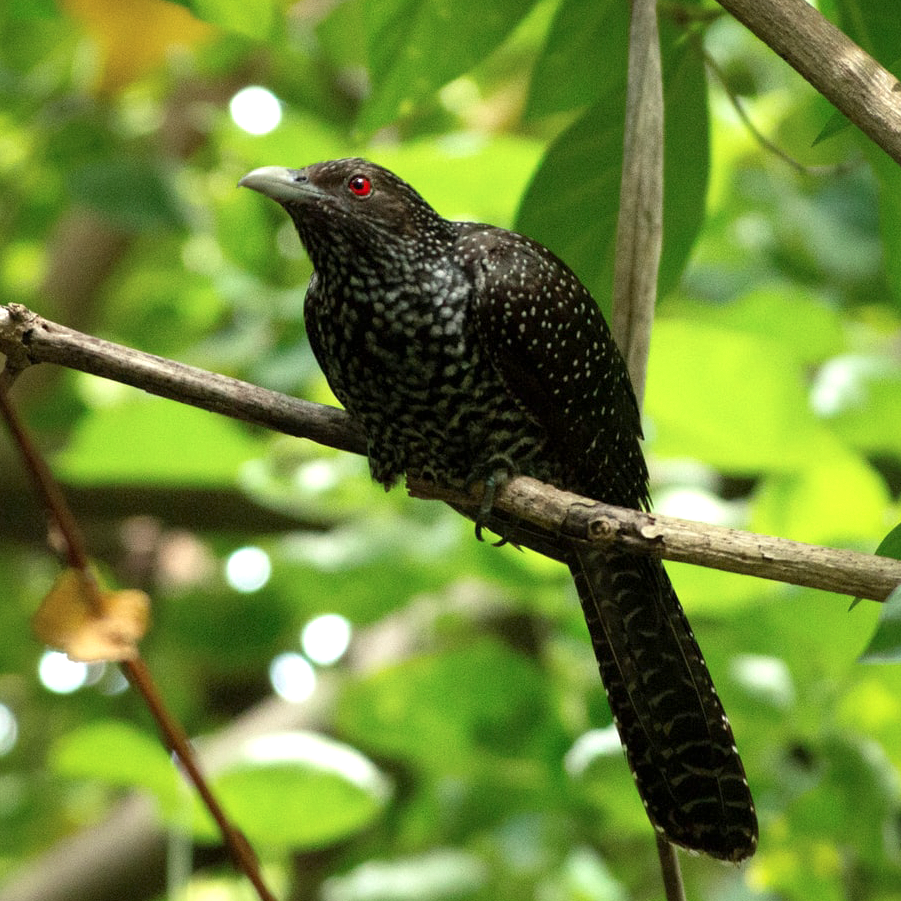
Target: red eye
<point>360,185</point>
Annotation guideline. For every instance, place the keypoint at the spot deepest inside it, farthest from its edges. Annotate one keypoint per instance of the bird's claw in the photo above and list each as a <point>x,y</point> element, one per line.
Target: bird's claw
<point>493,481</point>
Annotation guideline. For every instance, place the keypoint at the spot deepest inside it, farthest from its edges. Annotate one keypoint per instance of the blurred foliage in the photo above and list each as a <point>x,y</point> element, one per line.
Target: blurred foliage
<point>468,753</point>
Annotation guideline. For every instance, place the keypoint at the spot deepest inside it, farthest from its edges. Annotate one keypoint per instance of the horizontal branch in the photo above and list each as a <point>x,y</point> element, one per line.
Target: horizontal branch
<point>717,547</point>
<point>858,86</point>
<point>27,338</point>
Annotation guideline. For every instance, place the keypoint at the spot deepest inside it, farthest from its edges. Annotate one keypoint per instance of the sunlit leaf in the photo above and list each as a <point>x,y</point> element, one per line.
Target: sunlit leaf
<point>842,499</point>
<point>298,790</point>
<point>153,440</point>
<point>116,753</point>
<point>253,18</point>
<point>772,312</point>
<point>730,399</point>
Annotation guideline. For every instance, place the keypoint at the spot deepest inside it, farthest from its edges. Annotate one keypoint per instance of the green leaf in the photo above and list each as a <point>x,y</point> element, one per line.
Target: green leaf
<point>734,401</point>
<point>571,205</point>
<point>885,645</point>
<point>290,790</point>
<point>855,805</point>
<point>857,395</point>
<point>837,498</point>
<point>252,18</point>
<point>686,159</point>
<point>835,124</point>
<point>131,192</point>
<point>890,546</point>
<point>416,46</point>
<point>888,177</point>
<point>443,873</point>
<point>155,440</point>
<point>116,753</point>
<point>839,122</point>
<point>27,11</point>
<point>297,790</point>
<point>586,50</point>
<point>772,312</point>
<point>480,180</point>
<point>451,711</point>
<point>873,24</point>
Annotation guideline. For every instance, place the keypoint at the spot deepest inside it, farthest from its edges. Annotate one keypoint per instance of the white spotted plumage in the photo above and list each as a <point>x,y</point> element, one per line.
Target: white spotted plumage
<point>464,350</point>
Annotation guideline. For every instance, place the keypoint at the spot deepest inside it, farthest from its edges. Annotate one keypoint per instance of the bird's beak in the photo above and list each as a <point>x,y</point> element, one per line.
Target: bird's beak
<point>281,185</point>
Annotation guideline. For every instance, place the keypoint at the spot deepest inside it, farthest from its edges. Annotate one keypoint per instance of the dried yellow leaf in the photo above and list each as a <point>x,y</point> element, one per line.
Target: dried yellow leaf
<point>91,624</point>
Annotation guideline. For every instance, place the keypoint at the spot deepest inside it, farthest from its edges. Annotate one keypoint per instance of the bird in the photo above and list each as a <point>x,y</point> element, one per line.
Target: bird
<point>469,353</point>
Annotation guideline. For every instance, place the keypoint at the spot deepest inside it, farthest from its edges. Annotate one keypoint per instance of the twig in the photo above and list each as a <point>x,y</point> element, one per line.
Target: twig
<point>639,241</point>
<point>47,488</point>
<point>868,94</point>
<point>176,740</point>
<point>768,145</point>
<point>30,338</point>
<point>669,867</point>
<point>639,227</point>
<point>845,572</point>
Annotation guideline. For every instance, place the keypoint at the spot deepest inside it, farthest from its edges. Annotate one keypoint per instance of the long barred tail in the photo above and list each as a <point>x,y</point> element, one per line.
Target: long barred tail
<point>677,738</point>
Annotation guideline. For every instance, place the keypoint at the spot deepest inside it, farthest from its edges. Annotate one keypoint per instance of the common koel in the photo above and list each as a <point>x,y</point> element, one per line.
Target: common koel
<point>468,352</point>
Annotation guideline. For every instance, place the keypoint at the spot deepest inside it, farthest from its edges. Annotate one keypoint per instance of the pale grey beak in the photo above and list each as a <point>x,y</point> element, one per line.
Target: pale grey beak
<point>280,184</point>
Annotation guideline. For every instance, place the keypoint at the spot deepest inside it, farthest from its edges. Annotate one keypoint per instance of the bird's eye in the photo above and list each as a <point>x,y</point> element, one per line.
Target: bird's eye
<point>360,185</point>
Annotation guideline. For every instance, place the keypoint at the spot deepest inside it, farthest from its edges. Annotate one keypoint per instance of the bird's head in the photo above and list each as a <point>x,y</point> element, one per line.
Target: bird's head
<point>348,202</point>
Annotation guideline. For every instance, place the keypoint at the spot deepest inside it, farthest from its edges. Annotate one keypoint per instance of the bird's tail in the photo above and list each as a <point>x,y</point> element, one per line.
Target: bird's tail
<point>677,738</point>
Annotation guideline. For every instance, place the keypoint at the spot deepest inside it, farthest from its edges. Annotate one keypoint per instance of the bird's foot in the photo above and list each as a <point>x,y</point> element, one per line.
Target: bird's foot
<point>497,476</point>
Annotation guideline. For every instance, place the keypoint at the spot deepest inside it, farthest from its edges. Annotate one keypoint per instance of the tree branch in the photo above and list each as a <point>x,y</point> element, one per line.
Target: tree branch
<point>27,338</point>
<point>561,513</point>
<point>868,94</point>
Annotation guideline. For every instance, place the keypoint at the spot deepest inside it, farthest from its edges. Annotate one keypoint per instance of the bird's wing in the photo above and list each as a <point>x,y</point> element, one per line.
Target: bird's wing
<point>548,341</point>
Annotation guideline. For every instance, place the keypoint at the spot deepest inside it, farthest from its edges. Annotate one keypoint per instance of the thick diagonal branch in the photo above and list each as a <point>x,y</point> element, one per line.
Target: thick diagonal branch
<point>27,338</point>
<point>855,83</point>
